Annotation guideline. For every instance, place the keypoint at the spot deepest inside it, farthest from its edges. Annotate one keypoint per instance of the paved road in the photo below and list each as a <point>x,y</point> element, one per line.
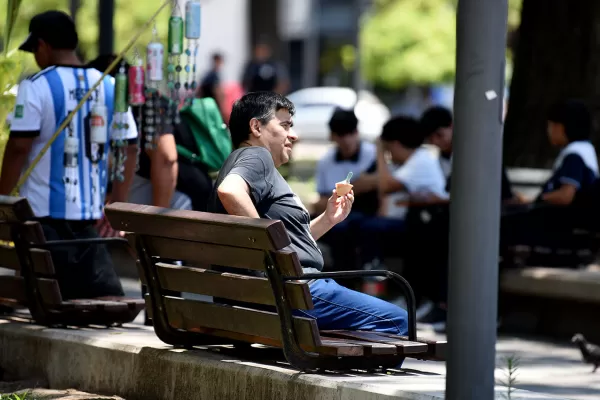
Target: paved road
<point>545,367</point>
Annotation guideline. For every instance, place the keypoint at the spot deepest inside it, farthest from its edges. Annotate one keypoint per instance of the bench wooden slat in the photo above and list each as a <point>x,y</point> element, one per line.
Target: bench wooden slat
<point>9,258</point>
<point>244,288</point>
<point>403,346</point>
<point>197,226</point>
<point>189,314</point>
<point>42,260</point>
<point>369,348</point>
<point>50,291</point>
<point>5,232</point>
<point>205,254</point>
<point>14,209</point>
<point>13,287</point>
<point>436,349</point>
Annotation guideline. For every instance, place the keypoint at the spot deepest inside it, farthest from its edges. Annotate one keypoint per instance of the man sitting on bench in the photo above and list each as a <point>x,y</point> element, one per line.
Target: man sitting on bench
<point>250,185</point>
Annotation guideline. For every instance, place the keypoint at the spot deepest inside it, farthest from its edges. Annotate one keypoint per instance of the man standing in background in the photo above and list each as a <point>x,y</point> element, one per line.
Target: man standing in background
<point>263,73</point>
<point>212,84</point>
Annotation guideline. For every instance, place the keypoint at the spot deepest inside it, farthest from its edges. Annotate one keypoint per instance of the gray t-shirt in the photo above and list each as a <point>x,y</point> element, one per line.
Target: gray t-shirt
<point>273,199</point>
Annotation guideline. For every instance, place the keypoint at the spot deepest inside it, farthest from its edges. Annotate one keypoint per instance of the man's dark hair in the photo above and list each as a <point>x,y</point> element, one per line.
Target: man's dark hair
<point>217,57</point>
<point>434,118</point>
<point>343,122</point>
<point>404,130</point>
<point>54,27</point>
<point>574,116</point>
<point>259,105</point>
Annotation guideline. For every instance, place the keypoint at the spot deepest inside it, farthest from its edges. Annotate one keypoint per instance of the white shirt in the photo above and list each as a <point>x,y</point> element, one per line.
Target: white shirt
<point>57,188</point>
<point>420,174</point>
<point>331,170</point>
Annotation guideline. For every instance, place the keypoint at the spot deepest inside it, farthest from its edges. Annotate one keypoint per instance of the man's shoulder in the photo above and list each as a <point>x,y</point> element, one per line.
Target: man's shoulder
<point>35,77</point>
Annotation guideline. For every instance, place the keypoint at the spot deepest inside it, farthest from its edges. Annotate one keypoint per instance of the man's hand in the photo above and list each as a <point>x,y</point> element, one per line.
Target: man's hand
<point>338,208</point>
<point>106,231</point>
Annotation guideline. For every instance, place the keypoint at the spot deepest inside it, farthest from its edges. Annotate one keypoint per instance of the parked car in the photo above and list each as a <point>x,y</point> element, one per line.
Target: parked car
<point>314,107</point>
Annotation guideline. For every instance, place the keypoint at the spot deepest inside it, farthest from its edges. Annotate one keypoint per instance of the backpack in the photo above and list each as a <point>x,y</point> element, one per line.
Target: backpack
<point>207,140</point>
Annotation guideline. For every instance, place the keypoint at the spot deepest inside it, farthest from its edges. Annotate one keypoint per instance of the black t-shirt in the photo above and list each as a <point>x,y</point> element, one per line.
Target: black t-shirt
<point>273,199</point>
<point>262,76</point>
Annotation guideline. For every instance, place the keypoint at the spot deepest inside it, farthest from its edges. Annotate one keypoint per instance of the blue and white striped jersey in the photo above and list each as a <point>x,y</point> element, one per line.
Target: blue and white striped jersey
<point>70,180</point>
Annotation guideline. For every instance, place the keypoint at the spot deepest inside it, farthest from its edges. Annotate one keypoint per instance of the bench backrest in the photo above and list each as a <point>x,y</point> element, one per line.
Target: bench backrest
<point>16,232</point>
<point>201,241</point>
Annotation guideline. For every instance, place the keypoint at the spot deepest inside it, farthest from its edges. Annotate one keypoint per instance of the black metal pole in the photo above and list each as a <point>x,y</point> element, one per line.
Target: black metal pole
<point>106,38</point>
<point>475,206</point>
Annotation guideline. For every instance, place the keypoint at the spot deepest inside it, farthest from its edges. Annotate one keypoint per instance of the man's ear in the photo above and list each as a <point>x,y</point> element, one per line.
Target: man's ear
<point>255,127</point>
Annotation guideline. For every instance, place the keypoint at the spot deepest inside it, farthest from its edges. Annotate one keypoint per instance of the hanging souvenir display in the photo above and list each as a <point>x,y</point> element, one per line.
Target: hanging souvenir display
<point>135,79</point>
<point>192,34</point>
<point>154,76</point>
<point>98,140</point>
<point>71,164</point>
<point>174,49</point>
<point>120,125</point>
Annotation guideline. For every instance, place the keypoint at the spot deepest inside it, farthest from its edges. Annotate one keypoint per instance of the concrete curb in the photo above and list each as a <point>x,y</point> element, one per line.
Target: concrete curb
<point>132,363</point>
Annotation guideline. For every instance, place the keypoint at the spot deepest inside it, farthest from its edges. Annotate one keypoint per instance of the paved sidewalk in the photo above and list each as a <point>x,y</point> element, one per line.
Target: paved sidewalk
<point>545,367</point>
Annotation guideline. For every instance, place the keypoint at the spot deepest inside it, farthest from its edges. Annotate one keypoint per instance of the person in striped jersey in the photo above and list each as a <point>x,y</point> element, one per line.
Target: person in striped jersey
<point>67,188</point>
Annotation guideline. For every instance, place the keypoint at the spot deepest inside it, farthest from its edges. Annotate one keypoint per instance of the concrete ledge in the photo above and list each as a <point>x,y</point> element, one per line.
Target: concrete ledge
<point>560,283</point>
<point>131,362</point>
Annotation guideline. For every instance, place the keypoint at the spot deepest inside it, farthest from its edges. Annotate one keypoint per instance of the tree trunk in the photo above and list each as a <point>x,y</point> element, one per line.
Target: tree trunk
<point>557,57</point>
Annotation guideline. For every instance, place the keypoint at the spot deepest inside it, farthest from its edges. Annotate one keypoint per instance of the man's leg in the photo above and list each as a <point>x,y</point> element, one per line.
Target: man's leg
<point>106,281</point>
<point>337,307</point>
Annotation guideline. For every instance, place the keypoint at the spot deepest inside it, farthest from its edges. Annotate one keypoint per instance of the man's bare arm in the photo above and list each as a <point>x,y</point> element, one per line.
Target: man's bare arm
<point>163,170</point>
<point>15,156</point>
<point>120,190</point>
<point>234,194</point>
<point>563,196</point>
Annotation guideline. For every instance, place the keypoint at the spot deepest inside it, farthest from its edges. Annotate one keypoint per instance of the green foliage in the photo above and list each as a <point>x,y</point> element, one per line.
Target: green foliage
<point>414,41</point>
<point>17,396</point>
<point>130,16</point>
<point>510,376</point>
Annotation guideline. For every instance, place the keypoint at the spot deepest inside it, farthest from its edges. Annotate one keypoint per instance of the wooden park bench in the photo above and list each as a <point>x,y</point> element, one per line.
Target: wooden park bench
<point>34,285</point>
<point>248,308</point>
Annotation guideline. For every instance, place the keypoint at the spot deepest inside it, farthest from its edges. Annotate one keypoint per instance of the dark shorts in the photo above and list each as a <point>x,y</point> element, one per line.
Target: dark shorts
<point>83,272</point>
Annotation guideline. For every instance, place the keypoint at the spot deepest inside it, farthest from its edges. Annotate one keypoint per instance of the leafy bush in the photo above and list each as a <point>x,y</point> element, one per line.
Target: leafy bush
<point>10,70</point>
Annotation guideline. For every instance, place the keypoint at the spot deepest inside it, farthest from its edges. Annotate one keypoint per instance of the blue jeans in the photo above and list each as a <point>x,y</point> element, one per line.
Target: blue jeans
<point>337,307</point>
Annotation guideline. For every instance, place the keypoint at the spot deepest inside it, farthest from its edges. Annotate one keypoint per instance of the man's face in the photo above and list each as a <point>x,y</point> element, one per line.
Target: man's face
<point>42,54</point>
<point>346,143</point>
<point>278,136</point>
<point>442,138</point>
<point>398,152</point>
<point>262,52</point>
<point>556,134</point>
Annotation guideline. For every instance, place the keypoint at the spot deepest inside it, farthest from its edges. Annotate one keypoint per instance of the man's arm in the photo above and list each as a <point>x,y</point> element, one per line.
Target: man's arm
<point>163,170</point>
<point>386,182</point>
<point>561,197</point>
<point>15,156</point>
<point>320,226</point>
<point>234,194</point>
<point>25,127</point>
<point>120,190</point>
<point>365,183</point>
<point>570,175</point>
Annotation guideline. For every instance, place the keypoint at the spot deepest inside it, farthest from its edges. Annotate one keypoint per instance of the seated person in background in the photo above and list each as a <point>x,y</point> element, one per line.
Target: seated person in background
<point>154,181</point>
<point>418,175</point>
<point>437,125</point>
<point>575,170</point>
<point>570,128</point>
<point>250,185</point>
<point>350,154</point>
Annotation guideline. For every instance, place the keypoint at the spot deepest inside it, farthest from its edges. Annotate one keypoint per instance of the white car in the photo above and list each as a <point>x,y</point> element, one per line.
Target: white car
<point>315,106</point>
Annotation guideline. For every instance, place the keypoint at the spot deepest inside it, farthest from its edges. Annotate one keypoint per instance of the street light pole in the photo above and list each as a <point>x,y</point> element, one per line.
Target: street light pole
<point>475,206</point>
